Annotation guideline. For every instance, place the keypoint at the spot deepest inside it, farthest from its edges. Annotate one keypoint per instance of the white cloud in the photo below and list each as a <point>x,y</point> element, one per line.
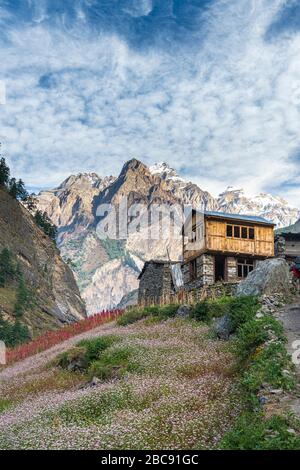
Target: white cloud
<point>228,114</point>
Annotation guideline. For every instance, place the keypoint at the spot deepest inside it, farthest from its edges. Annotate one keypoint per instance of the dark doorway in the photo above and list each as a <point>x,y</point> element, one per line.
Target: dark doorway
<point>220,262</point>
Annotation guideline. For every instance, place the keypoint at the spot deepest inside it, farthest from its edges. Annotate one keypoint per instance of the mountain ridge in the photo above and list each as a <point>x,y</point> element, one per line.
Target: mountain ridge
<point>54,294</point>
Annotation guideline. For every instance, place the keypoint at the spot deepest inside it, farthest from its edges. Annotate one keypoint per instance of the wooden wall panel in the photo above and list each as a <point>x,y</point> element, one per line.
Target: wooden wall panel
<point>216,240</point>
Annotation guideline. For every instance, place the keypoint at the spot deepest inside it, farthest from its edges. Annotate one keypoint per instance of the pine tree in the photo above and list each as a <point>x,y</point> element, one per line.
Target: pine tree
<point>23,299</point>
<point>7,267</point>
<point>17,189</point>
<point>4,173</point>
<point>45,223</point>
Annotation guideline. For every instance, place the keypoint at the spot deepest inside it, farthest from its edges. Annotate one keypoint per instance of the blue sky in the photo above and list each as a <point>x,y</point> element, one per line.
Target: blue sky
<point>210,86</point>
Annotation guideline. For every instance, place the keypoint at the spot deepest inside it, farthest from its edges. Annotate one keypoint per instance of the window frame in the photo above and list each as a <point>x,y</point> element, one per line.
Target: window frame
<point>232,228</point>
<point>244,265</point>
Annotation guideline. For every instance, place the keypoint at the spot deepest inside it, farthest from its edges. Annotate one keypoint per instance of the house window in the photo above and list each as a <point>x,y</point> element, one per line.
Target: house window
<point>251,233</point>
<point>237,231</point>
<point>193,270</point>
<point>245,266</point>
<point>244,232</point>
<point>229,230</point>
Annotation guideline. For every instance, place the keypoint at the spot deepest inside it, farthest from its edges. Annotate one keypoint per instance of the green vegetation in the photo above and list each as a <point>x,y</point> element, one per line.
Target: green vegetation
<point>43,221</point>
<point>261,361</point>
<point>8,268</point>
<point>16,189</point>
<point>23,298</point>
<point>113,248</point>
<point>253,431</point>
<point>99,357</point>
<point>157,313</point>
<point>14,333</point>
<point>239,309</point>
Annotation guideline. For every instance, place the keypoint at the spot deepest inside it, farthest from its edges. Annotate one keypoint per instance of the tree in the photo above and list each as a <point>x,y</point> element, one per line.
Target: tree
<point>7,267</point>
<point>17,189</point>
<point>45,223</point>
<point>4,173</point>
<point>30,202</point>
<point>23,299</point>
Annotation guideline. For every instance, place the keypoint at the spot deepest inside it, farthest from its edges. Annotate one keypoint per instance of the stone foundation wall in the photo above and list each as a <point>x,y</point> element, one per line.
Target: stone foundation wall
<point>205,272</point>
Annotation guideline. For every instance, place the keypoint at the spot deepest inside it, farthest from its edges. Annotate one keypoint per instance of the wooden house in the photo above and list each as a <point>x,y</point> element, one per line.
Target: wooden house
<point>223,247</point>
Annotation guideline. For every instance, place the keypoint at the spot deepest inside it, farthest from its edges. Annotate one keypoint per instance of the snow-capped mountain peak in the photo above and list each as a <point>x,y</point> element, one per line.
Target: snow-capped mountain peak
<point>274,208</point>
<point>165,172</point>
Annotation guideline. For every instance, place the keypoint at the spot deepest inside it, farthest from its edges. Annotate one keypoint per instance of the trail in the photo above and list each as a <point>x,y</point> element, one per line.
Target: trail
<point>290,318</point>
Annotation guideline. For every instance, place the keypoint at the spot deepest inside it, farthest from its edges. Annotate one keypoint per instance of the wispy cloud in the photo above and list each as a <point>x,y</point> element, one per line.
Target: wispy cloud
<point>201,85</point>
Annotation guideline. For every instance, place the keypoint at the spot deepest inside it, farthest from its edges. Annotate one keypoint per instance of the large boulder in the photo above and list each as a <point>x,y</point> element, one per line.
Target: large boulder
<point>223,327</point>
<point>269,277</point>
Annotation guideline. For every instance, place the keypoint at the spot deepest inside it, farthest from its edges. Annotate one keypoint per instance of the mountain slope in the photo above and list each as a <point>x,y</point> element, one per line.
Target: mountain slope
<point>56,299</point>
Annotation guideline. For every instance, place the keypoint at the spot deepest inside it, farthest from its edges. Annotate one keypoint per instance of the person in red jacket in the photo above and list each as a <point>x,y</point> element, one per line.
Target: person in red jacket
<point>295,269</point>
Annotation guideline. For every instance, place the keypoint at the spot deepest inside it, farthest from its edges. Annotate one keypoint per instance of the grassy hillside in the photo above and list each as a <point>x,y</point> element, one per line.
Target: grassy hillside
<point>155,381</point>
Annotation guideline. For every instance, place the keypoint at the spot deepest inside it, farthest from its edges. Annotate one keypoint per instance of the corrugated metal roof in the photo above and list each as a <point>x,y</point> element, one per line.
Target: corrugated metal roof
<point>249,218</point>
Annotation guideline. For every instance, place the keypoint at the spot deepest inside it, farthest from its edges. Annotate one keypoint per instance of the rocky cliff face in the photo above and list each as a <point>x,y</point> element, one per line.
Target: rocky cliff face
<point>107,270</point>
<point>56,298</point>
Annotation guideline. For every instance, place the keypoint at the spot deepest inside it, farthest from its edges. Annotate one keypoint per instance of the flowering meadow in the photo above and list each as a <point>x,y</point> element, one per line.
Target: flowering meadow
<point>51,338</point>
<point>178,392</point>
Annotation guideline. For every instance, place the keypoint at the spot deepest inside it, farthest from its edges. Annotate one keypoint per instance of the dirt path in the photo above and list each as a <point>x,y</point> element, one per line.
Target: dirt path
<point>290,318</point>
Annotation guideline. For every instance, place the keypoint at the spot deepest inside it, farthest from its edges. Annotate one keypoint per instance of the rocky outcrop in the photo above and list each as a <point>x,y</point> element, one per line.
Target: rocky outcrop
<point>109,285</point>
<point>269,277</point>
<point>56,298</point>
<point>70,205</point>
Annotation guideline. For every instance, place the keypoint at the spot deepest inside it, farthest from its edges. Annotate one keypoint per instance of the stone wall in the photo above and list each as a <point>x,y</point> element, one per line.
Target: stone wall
<point>205,272</point>
<point>192,296</point>
<point>155,282</point>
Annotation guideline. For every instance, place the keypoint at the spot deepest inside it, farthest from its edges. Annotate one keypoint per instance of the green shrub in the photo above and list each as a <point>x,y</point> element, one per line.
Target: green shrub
<point>13,334</point>
<point>132,315</point>
<point>167,311</point>
<point>254,333</point>
<point>84,353</point>
<point>8,268</point>
<point>267,366</point>
<point>113,363</point>
<point>95,346</point>
<point>135,314</point>
<point>200,311</point>
<point>242,309</point>
<point>23,300</point>
<point>254,432</point>
<point>239,309</point>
